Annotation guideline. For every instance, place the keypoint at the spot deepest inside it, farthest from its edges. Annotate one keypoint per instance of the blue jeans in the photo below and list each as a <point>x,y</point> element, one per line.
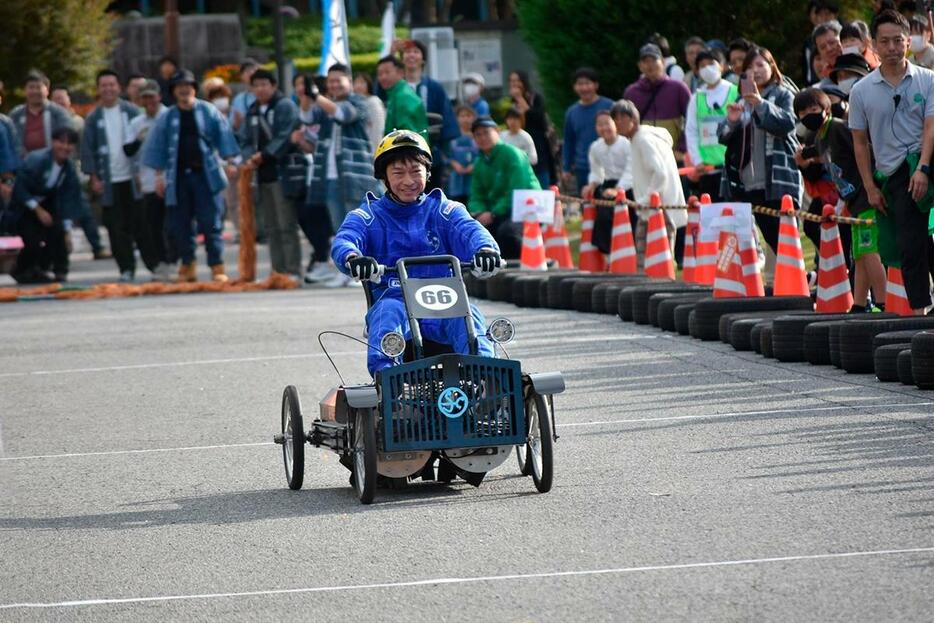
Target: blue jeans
<point>197,202</point>
<point>388,314</point>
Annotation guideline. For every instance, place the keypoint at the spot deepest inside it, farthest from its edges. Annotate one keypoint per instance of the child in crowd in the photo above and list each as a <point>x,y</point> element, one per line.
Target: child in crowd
<point>517,137</point>
<point>834,144</point>
<point>462,151</point>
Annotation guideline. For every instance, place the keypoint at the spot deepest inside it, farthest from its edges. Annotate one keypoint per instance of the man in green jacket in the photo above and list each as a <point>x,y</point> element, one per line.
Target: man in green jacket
<point>404,108</point>
<point>500,170</point>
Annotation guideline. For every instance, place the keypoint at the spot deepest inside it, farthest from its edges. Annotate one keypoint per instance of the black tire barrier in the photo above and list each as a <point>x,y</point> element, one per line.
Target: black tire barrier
<point>565,286</point>
<point>817,342</point>
<point>765,338</point>
<point>725,324</point>
<point>741,333</point>
<point>692,322</point>
<point>611,299</point>
<point>885,361</point>
<point>788,333</point>
<point>582,288</point>
<point>922,359</point>
<point>666,307</point>
<point>526,291</point>
<point>856,338</point>
<point>656,299</point>
<point>708,311</point>
<point>598,298</point>
<point>496,286</point>
<point>552,298</point>
<point>642,294</point>
<point>624,305</point>
<point>903,362</point>
<point>682,318</point>
<point>894,337</point>
<point>755,337</point>
<point>833,343</point>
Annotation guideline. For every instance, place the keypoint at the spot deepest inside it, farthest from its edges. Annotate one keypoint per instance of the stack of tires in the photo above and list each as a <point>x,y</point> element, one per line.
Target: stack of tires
<point>782,327</point>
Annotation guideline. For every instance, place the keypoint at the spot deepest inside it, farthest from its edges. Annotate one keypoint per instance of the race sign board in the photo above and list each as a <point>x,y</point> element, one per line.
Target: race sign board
<point>436,298</point>
<point>712,222</point>
<point>538,203</point>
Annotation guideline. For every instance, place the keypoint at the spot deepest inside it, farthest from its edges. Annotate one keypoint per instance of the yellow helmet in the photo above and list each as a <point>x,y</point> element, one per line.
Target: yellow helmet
<point>396,141</point>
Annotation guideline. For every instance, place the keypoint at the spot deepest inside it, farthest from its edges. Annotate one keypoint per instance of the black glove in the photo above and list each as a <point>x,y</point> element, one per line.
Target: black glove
<point>363,268</point>
<point>486,263</point>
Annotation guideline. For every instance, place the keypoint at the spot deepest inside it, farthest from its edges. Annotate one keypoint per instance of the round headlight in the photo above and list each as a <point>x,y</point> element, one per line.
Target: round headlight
<point>392,344</point>
<point>502,331</point>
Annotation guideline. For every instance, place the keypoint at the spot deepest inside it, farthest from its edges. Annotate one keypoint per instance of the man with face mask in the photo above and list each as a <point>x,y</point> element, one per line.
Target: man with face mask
<point>921,52</point>
<point>472,89</point>
<point>706,110</point>
<point>848,69</point>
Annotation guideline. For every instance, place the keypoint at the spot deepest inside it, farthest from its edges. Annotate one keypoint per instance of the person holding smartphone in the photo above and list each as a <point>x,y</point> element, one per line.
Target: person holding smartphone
<point>760,141</point>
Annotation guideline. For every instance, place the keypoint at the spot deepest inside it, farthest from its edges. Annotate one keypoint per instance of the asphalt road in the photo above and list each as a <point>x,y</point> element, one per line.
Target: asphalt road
<point>138,481</point>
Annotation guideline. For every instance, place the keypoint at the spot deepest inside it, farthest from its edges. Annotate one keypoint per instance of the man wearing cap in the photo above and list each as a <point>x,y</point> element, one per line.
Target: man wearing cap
<point>153,223</point>
<point>661,101</point>
<point>185,148</point>
<point>472,86</point>
<point>103,159</point>
<point>499,170</point>
<point>848,69</point>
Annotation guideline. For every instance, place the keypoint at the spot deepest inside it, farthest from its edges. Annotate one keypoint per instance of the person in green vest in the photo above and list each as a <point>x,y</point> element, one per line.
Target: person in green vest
<point>499,170</point>
<point>706,110</point>
<point>404,108</point>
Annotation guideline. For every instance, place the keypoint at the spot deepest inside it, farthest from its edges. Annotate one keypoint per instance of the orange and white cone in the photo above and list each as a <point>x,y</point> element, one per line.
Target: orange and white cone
<point>689,263</point>
<point>623,245</point>
<point>729,282</point>
<point>590,260</point>
<point>658,261</point>
<point>557,246</point>
<point>834,294</point>
<point>896,299</point>
<point>749,258</point>
<point>790,275</point>
<point>533,247</point>
<point>705,253</point>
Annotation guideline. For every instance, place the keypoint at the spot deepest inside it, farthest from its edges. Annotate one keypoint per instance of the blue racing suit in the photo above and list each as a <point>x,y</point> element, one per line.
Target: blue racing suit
<point>387,231</point>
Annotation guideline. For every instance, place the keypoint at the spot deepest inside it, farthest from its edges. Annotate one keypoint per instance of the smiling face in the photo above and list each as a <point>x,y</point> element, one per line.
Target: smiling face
<point>485,138</point>
<point>338,85</point>
<point>387,75</point>
<point>606,128</point>
<point>406,179</point>
<point>108,89</point>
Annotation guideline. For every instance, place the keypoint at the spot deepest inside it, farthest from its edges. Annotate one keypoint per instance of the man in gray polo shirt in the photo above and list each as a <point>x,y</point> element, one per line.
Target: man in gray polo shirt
<point>893,109</point>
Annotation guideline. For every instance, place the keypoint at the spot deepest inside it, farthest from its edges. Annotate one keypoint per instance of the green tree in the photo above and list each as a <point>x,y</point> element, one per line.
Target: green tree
<point>69,40</point>
<point>606,35</point>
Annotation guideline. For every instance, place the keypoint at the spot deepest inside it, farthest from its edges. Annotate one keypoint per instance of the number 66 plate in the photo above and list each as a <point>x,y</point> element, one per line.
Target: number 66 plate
<point>436,298</point>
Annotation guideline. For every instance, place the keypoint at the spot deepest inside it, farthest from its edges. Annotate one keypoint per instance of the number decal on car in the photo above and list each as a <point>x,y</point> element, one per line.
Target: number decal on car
<point>436,297</point>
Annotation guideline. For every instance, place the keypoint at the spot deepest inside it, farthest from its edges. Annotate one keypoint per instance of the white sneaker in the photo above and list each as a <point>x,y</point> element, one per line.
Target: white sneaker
<point>162,272</point>
<point>321,271</point>
<point>338,280</point>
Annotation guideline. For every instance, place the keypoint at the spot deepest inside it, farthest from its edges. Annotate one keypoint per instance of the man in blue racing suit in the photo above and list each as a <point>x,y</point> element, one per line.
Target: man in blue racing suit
<point>406,222</point>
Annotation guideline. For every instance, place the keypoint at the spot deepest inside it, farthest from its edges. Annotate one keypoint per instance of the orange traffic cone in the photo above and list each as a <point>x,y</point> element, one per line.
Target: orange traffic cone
<point>749,258</point>
<point>705,253</point>
<point>896,299</point>
<point>533,247</point>
<point>557,246</point>
<point>790,276</point>
<point>590,260</point>
<point>623,245</point>
<point>729,278</point>
<point>834,295</point>
<point>689,263</point>
<point>658,262</point>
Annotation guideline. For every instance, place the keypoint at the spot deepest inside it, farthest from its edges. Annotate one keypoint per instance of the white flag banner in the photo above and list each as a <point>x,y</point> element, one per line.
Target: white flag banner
<point>334,45</point>
<point>540,204</point>
<point>712,222</point>
<point>388,28</point>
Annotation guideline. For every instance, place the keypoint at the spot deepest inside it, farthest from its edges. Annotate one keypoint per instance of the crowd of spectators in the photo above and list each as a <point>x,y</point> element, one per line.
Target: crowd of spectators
<point>728,123</point>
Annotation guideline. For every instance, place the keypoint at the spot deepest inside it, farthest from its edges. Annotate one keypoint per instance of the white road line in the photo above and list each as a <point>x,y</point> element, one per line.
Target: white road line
<point>714,416</point>
<point>140,451</point>
<point>170,364</point>
<point>467,580</point>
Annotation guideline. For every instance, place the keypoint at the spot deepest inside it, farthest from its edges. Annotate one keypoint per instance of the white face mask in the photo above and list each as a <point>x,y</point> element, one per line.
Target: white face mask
<point>471,89</point>
<point>847,85</point>
<point>710,74</point>
<point>222,103</point>
<point>853,49</point>
<point>917,43</point>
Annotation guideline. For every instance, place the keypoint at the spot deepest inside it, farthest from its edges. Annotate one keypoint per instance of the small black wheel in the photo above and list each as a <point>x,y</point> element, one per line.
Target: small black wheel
<point>293,438</point>
<point>541,442</point>
<point>522,457</point>
<point>364,455</point>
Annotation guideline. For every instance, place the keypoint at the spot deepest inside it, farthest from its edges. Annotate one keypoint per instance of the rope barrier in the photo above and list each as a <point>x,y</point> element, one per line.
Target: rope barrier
<point>807,216</point>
